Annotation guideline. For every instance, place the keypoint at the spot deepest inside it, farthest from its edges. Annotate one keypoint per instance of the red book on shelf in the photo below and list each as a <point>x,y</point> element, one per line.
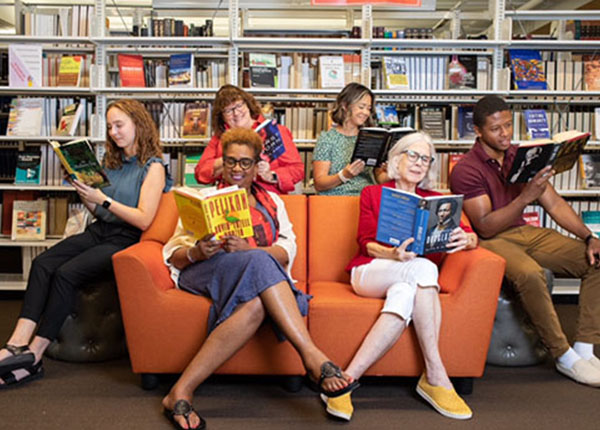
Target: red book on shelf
<point>8,197</point>
<point>131,70</point>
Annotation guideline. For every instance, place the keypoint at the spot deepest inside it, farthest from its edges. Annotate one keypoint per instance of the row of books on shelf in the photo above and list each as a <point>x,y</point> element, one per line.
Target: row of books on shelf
<point>30,67</point>
<point>61,20</point>
<point>180,70</point>
<point>49,116</point>
<point>380,32</point>
<point>588,210</point>
<point>298,70</point>
<point>432,72</point>
<point>27,216</point>
<point>584,29</point>
<point>306,122</point>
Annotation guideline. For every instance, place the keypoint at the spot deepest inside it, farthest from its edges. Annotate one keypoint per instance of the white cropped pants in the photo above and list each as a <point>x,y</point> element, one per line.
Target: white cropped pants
<point>397,281</point>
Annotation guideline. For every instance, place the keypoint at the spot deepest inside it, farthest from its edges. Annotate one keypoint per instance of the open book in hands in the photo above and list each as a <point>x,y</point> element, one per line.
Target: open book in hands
<point>561,152</point>
<point>273,146</point>
<point>221,212</point>
<point>80,162</point>
<point>373,144</point>
<point>429,220</point>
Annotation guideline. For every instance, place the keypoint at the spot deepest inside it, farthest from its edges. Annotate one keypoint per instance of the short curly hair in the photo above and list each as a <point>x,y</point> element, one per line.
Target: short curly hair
<point>147,140</point>
<point>226,95</point>
<point>242,136</point>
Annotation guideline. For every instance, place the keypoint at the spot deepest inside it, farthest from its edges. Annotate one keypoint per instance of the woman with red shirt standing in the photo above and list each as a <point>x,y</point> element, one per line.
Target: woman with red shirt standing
<point>235,108</point>
<point>408,282</point>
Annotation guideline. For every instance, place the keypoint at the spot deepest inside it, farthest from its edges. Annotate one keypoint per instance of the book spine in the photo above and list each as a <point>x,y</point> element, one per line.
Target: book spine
<point>420,232</point>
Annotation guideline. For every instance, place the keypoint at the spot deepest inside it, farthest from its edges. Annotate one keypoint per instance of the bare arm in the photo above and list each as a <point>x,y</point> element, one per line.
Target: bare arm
<point>489,223</point>
<point>381,175</point>
<point>324,181</point>
<point>150,193</point>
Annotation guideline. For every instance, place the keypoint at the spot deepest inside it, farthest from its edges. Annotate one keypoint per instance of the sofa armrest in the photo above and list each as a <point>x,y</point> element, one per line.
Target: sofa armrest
<point>156,316</point>
<point>467,324</point>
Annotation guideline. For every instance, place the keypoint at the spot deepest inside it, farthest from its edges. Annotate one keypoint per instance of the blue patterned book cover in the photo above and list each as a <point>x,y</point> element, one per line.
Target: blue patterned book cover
<point>528,69</point>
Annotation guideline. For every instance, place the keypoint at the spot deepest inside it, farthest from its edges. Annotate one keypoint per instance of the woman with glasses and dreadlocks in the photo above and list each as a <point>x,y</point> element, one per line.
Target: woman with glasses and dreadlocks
<point>409,283</point>
<point>247,281</point>
<point>278,171</point>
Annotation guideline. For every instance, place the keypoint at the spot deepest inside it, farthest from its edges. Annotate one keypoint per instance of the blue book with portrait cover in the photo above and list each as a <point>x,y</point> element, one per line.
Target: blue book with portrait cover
<point>527,69</point>
<point>466,129</point>
<point>536,123</point>
<point>429,220</point>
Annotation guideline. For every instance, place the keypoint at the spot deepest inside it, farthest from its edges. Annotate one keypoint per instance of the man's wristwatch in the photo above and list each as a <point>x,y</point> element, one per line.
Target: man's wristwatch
<point>588,238</point>
<point>106,203</point>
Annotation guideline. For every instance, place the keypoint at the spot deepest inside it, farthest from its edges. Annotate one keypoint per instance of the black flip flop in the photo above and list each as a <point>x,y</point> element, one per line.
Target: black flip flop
<point>36,371</point>
<point>330,370</point>
<point>184,409</point>
<point>21,357</point>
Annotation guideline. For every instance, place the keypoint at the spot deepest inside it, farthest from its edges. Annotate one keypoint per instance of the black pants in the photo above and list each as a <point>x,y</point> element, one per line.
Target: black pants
<point>56,273</point>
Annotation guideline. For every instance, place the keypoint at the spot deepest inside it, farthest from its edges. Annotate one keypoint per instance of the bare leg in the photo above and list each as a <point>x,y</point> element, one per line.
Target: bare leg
<point>223,342</point>
<point>382,336</point>
<point>20,336</point>
<point>281,305</point>
<point>23,332</point>
<point>427,319</point>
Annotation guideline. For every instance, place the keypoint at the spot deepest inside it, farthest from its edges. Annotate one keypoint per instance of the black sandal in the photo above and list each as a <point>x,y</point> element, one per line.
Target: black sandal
<point>331,370</point>
<point>36,371</point>
<point>184,409</point>
<point>21,357</point>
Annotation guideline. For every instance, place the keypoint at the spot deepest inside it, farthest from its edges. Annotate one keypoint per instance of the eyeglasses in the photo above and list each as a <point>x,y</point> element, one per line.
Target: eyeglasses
<point>245,163</point>
<point>413,156</point>
<point>237,108</point>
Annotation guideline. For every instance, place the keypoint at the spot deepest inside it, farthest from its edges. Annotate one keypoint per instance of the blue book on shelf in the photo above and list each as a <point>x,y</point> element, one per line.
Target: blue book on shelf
<point>28,168</point>
<point>527,69</point>
<point>536,123</point>
<point>592,221</point>
<point>180,70</point>
<point>466,129</point>
<point>429,220</point>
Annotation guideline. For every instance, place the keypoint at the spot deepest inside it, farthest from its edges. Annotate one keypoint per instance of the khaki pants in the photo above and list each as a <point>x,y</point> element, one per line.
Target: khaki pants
<point>526,250</point>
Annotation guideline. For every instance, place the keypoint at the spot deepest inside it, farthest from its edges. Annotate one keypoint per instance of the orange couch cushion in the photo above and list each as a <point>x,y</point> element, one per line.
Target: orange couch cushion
<point>165,221</point>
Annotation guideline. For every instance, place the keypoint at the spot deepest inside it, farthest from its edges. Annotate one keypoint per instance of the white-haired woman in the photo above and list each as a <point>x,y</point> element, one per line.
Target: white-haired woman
<point>408,283</point>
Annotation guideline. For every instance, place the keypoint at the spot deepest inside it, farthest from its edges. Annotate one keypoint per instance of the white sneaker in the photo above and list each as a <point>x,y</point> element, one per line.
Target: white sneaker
<point>583,371</point>
<point>594,361</point>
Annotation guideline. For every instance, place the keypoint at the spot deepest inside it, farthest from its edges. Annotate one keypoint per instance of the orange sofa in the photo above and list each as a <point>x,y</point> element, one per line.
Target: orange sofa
<point>165,326</point>
<point>338,319</point>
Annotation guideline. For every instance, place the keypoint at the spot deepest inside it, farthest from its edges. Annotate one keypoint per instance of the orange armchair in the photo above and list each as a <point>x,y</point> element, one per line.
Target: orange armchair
<point>165,327</point>
<point>338,319</point>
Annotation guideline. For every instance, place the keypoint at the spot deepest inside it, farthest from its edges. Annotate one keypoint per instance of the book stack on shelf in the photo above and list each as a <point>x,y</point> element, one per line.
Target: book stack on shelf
<point>296,70</point>
<point>72,21</point>
<point>41,116</point>
<point>134,70</point>
<point>431,72</point>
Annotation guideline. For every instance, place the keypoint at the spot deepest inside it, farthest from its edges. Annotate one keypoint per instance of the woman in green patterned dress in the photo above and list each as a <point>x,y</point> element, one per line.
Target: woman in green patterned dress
<point>332,171</point>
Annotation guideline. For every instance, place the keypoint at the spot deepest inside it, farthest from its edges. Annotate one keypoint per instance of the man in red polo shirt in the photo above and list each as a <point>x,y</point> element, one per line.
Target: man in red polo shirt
<point>495,209</point>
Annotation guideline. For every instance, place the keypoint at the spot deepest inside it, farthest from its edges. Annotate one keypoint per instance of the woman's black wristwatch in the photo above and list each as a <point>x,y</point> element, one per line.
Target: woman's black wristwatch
<point>106,203</point>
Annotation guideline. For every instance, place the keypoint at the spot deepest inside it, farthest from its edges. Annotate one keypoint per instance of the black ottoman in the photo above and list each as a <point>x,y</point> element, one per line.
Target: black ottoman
<point>94,330</point>
<point>514,340</point>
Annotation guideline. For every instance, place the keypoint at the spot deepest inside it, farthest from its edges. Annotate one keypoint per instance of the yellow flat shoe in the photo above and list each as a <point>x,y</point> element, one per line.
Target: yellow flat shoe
<point>339,407</point>
<point>446,402</point>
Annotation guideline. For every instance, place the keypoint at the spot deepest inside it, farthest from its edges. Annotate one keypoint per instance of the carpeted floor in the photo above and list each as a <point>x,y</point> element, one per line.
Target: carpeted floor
<point>108,396</point>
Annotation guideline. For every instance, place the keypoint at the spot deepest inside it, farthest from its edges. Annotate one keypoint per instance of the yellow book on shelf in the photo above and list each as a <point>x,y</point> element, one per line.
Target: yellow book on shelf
<point>69,71</point>
<point>212,211</point>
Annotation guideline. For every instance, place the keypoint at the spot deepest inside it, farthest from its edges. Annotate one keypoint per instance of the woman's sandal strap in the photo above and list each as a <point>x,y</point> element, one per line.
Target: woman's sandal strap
<point>16,350</point>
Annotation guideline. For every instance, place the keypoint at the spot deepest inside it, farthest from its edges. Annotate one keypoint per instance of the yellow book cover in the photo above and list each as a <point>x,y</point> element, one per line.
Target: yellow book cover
<point>221,212</point>
<point>69,71</point>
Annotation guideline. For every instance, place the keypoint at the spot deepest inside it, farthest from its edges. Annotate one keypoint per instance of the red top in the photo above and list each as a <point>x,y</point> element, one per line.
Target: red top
<point>370,198</point>
<point>477,174</point>
<point>288,167</point>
